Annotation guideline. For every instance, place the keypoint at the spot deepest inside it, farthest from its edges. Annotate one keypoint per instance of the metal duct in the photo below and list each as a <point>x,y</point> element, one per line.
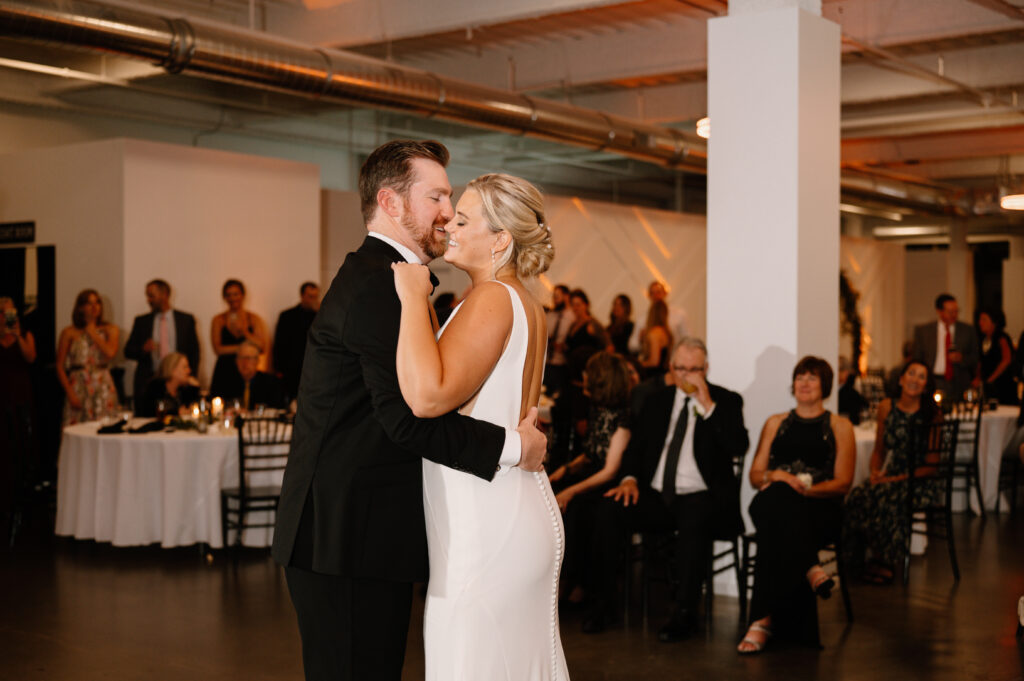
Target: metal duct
<point>179,45</point>
<point>262,61</point>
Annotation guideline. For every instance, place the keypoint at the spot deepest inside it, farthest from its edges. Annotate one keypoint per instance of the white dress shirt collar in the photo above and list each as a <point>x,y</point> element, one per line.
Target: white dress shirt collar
<point>404,250</point>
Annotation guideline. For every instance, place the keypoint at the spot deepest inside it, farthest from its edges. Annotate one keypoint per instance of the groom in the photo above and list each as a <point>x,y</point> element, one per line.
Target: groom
<point>350,531</point>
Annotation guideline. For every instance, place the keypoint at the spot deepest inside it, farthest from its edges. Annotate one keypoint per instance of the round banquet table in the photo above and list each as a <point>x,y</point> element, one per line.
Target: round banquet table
<point>140,489</point>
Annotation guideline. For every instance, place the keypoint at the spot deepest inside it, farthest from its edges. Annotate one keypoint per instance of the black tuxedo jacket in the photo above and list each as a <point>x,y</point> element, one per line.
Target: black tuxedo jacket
<point>290,345</point>
<point>716,441</point>
<point>142,330</point>
<point>352,495</point>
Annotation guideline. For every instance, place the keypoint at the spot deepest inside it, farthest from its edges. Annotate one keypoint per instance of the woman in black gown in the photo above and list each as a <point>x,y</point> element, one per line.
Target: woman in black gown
<point>228,330</point>
<point>802,469</point>
<point>620,325</point>
<point>996,371</point>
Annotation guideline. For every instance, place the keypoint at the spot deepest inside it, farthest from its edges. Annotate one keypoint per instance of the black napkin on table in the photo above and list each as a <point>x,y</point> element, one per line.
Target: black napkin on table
<point>113,428</point>
<point>151,427</point>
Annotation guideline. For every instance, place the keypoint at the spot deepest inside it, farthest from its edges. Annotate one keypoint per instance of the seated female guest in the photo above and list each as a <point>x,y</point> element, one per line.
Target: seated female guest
<point>228,330</point>
<point>607,382</point>
<point>174,385</point>
<point>803,467</point>
<point>875,509</point>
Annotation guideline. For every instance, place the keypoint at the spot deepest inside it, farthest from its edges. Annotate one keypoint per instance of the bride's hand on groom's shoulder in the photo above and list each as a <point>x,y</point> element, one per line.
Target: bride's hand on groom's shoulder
<point>412,282</point>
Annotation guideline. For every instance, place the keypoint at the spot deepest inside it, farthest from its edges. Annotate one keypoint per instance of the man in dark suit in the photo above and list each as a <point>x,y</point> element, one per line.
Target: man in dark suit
<point>159,333</point>
<point>252,386</point>
<point>350,528</point>
<point>290,337</point>
<point>949,348</point>
<point>678,477</point>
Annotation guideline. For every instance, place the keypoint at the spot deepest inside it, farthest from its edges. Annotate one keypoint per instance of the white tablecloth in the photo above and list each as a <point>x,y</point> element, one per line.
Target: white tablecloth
<point>133,490</point>
<point>996,429</point>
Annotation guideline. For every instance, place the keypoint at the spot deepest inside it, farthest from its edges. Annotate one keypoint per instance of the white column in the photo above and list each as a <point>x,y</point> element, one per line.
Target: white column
<point>773,199</point>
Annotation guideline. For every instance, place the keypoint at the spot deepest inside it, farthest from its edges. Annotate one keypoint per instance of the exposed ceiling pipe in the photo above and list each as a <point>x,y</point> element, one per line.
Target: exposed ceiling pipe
<point>180,45</point>
<point>255,59</point>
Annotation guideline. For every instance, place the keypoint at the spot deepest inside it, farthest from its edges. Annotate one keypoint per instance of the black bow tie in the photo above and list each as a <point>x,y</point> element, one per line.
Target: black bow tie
<point>434,282</point>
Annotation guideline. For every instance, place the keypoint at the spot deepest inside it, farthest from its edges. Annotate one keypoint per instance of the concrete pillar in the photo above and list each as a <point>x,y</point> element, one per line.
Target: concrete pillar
<point>773,199</point>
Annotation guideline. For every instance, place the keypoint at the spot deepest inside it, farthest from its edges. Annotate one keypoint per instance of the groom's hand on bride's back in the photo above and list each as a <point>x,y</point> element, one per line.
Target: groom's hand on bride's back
<point>534,443</point>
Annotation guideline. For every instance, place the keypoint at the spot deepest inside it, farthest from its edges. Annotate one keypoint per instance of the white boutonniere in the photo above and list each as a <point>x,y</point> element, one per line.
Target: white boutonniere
<point>805,479</point>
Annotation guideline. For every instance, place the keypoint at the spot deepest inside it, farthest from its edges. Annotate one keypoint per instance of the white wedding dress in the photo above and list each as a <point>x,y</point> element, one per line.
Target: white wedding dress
<point>495,553</point>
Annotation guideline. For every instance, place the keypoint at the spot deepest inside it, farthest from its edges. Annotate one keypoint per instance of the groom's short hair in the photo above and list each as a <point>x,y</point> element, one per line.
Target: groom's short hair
<point>390,165</point>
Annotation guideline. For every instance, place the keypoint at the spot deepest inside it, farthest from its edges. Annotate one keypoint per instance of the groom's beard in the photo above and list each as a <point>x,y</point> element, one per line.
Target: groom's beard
<point>426,238</point>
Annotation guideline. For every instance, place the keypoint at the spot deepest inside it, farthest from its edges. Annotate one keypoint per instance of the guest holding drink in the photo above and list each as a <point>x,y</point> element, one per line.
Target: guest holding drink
<point>84,351</point>
<point>802,469</point>
<point>874,518</point>
<point>228,331</point>
<point>173,387</point>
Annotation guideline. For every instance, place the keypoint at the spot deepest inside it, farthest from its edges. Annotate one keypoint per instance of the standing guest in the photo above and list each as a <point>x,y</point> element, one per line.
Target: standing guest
<point>656,341</point>
<point>227,332</point>
<point>17,446</point>
<point>620,326</point>
<point>174,386</point>
<point>679,480</point>
<point>948,348</point>
<point>678,322</point>
<point>560,319</point>
<point>290,337</point>
<point>156,335</point>
<point>995,373</point>
<point>84,351</point>
<point>586,338</point>
<point>892,382</point>
<point>802,469</point>
<point>875,516</point>
<point>585,330</point>
<point>250,386</point>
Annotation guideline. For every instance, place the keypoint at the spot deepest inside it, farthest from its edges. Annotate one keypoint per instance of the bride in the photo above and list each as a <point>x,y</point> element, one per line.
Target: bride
<point>495,547</point>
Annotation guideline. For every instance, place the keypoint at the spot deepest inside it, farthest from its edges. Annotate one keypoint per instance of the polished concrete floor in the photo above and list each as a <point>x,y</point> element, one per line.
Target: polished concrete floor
<point>75,611</point>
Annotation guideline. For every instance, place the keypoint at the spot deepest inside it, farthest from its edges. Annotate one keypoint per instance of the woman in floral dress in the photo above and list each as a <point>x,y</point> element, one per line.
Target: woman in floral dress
<point>83,353</point>
<point>874,516</point>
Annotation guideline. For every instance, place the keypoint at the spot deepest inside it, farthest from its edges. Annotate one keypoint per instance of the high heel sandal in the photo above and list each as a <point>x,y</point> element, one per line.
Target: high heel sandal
<point>756,645</point>
<point>820,582</point>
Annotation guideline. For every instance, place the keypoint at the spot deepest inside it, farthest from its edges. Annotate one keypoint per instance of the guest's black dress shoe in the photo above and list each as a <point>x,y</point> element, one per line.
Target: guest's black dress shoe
<point>681,626</point>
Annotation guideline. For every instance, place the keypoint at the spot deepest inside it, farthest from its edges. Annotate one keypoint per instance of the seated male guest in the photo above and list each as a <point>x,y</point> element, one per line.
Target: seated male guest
<point>679,478</point>
<point>173,387</point>
<point>156,335</point>
<point>252,386</point>
<point>290,337</point>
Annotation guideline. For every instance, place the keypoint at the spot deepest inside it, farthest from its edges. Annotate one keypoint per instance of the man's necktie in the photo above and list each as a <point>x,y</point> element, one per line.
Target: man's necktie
<point>675,445</point>
<point>245,396</point>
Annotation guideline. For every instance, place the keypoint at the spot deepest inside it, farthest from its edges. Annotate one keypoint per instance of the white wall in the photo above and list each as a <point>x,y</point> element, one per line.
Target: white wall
<point>74,194</point>
<point>121,212</point>
<point>197,217</point>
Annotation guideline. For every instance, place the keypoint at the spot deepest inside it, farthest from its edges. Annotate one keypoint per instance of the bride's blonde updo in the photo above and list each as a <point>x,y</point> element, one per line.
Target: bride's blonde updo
<point>514,205</point>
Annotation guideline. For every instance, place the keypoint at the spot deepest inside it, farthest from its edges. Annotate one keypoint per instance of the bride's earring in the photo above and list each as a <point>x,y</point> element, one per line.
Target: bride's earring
<point>492,257</point>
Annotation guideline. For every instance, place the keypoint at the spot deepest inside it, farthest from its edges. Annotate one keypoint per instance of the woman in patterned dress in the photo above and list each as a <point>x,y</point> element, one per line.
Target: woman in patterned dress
<point>83,353</point>
<point>874,515</point>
